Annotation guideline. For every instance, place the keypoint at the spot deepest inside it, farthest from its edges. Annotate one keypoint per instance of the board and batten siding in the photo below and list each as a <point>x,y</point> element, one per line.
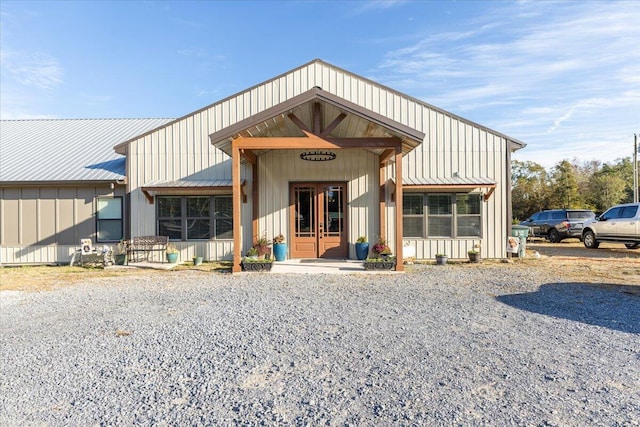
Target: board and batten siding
<point>182,150</point>
<point>44,225</point>
<point>278,168</point>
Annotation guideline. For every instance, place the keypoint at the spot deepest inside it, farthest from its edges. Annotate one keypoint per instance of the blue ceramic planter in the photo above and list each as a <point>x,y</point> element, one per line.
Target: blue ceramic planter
<point>280,251</point>
<point>362,251</point>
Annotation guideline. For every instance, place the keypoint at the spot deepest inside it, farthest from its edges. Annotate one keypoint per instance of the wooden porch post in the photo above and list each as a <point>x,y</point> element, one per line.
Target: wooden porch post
<point>254,201</point>
<point>237,207</point>
<point>383,202</point>
<point>398,192</point>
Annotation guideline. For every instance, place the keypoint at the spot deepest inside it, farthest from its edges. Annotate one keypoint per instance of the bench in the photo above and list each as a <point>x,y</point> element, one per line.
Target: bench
<point>141,247</point>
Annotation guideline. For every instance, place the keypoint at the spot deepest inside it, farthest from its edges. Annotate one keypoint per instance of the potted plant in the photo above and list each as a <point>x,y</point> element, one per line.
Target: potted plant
<point>279,248</point>
<point>362,248</point>
<point>262,246</point>
<point>120,252</point>
<point>379,263</point>
<point>381,249</point>
<point>172,253</point>
<point>474,253</point>
<point>252,262</point>
<point>255,264</point>
<point>252,253</point>
<point>197,260</point>
<point>441,259</point>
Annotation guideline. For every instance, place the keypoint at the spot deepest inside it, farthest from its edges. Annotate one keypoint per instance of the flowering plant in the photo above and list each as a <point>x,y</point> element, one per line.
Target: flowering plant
<point>278,239</point>
<point>381,247</point>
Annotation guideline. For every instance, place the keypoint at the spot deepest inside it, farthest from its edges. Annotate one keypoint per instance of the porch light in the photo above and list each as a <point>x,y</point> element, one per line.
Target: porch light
<point>318,156</point>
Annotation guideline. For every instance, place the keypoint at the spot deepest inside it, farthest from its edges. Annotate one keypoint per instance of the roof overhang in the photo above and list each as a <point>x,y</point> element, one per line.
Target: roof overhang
<point>192,188</point>
<point>453,184</point>
<point>322,114</point>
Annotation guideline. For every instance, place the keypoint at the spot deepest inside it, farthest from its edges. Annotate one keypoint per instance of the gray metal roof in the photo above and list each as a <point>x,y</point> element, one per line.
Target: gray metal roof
<point>189,183</point>
<point>66,149</point>
<point>453,181</point>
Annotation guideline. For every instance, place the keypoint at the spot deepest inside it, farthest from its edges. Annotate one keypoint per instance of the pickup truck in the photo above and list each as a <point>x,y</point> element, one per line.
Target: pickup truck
<point>619,224</point>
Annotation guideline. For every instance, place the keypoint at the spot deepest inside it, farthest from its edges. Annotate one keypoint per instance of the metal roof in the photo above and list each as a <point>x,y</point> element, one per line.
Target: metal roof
<point>453,181</point>
<point>189,184</point>
<point>66,149</point>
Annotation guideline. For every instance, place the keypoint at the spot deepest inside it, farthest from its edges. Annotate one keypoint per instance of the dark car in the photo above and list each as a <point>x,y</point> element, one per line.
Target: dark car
<point>558,224</point>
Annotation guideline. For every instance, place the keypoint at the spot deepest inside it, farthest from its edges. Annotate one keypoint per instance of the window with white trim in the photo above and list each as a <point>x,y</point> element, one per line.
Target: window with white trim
<point>109,219</point>
<point>448,215</point>
<point>195,217</point>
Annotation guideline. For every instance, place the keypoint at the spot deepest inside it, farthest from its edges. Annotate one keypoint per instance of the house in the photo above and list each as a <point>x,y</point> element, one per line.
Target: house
<point>318,154</point>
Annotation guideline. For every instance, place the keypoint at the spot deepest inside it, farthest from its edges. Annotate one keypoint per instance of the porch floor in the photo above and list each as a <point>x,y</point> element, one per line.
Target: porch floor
<point>324,266</point>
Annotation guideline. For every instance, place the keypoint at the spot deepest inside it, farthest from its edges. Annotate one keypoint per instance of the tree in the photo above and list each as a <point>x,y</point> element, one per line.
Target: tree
<point>564,187</point>
<point>605,190</point>
<point>529,183</point>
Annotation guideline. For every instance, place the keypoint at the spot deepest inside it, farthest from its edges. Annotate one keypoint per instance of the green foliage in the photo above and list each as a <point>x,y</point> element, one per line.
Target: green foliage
<point>570,184</point>
<point>361,239</point>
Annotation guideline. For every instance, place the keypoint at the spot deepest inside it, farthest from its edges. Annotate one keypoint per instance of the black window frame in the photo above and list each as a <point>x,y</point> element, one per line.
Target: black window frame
<point>184,218</point>
<point>452,213</point>
<point>107,220</point>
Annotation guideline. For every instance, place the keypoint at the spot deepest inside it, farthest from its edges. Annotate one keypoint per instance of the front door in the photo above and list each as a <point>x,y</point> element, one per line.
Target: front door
<point>318,220</point>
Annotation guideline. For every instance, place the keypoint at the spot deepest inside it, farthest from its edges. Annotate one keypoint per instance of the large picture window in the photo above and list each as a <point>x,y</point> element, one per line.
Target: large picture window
<point>195,217</point>
<point>109,219</point>
<point>441,215</point>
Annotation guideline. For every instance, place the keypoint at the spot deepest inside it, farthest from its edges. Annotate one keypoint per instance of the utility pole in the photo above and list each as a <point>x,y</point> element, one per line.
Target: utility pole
<point>635,168</point>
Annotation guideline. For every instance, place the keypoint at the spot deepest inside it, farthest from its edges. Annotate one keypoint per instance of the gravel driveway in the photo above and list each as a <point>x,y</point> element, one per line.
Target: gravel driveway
<point>440,345</point>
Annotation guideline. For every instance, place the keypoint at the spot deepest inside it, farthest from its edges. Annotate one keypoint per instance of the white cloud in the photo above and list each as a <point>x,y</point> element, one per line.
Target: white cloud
<point>548,72</point>
<point>37,70</point>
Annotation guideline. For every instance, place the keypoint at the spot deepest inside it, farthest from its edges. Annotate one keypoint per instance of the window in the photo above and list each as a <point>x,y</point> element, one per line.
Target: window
<point>195,217</point>
<point>468,215</point>
<point>109,219</point>
<point>441,215</point>
<point>413,215</point>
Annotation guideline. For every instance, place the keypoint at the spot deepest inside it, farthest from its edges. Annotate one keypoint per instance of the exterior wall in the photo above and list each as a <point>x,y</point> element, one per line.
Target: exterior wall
<point>45,224</point>
<point>359,169</point>
<point>455,147</point>
<point>182,150</point>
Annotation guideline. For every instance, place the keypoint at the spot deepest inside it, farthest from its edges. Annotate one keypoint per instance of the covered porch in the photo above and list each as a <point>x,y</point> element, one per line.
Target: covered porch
<point>313,140</point>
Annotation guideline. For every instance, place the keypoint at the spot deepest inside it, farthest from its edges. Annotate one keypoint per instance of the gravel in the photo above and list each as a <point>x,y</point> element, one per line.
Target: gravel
<point>439,345</point>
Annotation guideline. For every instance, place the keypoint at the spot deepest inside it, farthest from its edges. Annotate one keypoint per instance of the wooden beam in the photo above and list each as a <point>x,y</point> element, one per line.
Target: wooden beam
<point>333,125</point>
<point>303,143</point>
<point>255,207</point>
<point>237,211</point>
<point>317,118</point>
<point>398,193</point>
<point>147,195</point>
<point>386,155</point>
<point>487,196</point>
<point>299,123</point>
<point>382,201</point>
<point>250,156</point>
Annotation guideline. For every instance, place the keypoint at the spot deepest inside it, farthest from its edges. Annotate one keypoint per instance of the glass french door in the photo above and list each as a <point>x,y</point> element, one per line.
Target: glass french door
<point>318,220</point>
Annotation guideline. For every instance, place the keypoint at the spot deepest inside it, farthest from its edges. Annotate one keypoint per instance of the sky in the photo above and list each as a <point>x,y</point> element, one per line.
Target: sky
<point>562,77</point>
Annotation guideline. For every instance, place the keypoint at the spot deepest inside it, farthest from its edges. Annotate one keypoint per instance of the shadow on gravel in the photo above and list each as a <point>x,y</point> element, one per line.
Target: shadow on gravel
<point>611,306</point>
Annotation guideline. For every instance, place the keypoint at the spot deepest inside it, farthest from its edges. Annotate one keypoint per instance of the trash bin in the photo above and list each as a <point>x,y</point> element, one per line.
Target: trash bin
<point>521,232</point>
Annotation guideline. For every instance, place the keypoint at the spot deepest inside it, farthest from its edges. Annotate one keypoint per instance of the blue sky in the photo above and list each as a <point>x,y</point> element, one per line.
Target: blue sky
<point>563,77</point>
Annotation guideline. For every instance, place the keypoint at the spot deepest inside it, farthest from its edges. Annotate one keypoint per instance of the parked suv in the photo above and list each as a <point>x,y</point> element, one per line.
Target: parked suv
<point>558,224</point>
<point>619,224</point>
